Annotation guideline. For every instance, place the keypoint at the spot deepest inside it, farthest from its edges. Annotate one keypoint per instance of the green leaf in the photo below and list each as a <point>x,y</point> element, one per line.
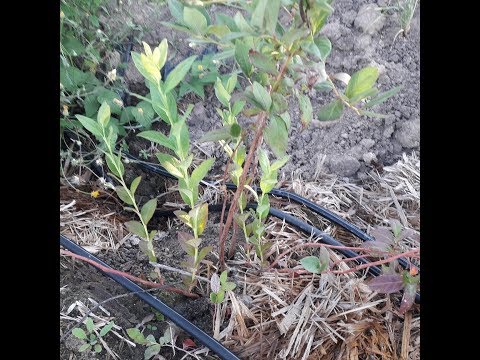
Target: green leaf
<point>286,119</point>
<point>184,217</point>
<point>113,100</point>
<point>382,97</point>
<point>170,164</point>
<point>91,105</point>
<point>318,13</point>
<point>312,264</point>
<point>73,46</point>
<point>280,104</point>
<point>293,35</point>
<point>361,81</point>
<point>331,111</point>
<point>146,68</point>
<point>162,105</point>
<point>177,74</point>
<point>229,286</point>
<point>242,24</point>
<point>223,277</point>
<point>158,138</point>
<point>263,63</point>
<point>127,115</point>
<point>323,86</point>
<point>228,21</point>
<point>106,328</point>
<point>262,96</point>
<point>115,165</point>
<point>90,125</point>
<point>179,131</point>
<point>166,338</point>
<point>213,298</point>
<point>176,9</point>
<point>188,194</point>
<point>135,227</point>
<point>276,136</point>
<point>258,14</point>
<point>201,170</point>
<point>242,201</point>
<point>263,160</point>
<point>143,113</point>
<point>266,185</point>
<point>363,95</point>
<point>305,109</point>
<point>218,30</point>
<point>160,54</point>
<point>221,93</point>
<point>216,135</point>
<point>277,164</point>
<point>219,296</point>
<point>195,20</point>
<point>148,209</point>
<point>194,242</point>
<point>183,239</point>
<point>84,347</point>
<point>241,56</point>
<point>238,107</point>
<point>103,115</point>
<point>89,324</point>
<point>137,336</point>
<point>373,114</point>
<point>79,333</point>
<point>98,348</point>
<point>235,130</point>
<point>271,16</point>
<point>231,83</point>
<point>324,46</point>
<point>123,194</point>
<point>199,216</point>
<point>264,205</point>
<point>202,253</point>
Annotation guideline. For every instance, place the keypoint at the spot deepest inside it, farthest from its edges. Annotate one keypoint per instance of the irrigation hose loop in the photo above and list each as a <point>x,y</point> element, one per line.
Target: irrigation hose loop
<point>178,319</point>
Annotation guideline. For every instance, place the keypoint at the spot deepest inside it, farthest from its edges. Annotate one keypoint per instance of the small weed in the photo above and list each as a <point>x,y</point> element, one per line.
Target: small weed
<point>153,346</point>
<point>91,336</point>
<point>219,286</point>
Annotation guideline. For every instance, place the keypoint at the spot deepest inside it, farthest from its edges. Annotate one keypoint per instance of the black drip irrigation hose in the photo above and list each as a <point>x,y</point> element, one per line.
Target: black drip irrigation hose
<point>151,300</point>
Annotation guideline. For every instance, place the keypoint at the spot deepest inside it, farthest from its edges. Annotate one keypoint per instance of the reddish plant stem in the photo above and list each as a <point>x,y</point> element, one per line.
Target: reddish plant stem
<point>224,179</point>
<point>262,121</point>
<point>233,244</point>
<point>410,253</point>
<point>317,245</point>
<point>128,276</point>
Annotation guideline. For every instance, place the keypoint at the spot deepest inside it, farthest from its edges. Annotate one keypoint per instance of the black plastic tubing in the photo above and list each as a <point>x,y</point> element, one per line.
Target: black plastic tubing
<point>178,319</point>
